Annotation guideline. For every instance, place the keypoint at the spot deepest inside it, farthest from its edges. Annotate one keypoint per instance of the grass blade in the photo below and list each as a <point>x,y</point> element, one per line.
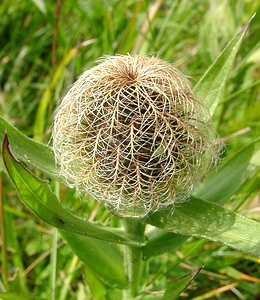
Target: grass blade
<point>48,94</point>
<point>175,287</point>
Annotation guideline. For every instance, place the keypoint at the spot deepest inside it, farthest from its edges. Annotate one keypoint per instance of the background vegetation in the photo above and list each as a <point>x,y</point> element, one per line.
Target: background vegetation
<point>45,45</point>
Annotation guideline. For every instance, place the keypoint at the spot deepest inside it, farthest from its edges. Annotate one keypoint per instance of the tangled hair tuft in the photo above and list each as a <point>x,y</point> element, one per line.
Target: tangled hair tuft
<point>131,133</point>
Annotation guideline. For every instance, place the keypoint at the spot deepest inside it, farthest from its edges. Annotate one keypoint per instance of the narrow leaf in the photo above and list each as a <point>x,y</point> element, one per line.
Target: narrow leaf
<point>98,289</point>
<point>176,286</point>
<point>219,186</point>
<point>39,198</point>
<point>207,220</point>
<point>34,154</point>
<point>160,241</point>
<point>211,86</point>
<point>104,259</point>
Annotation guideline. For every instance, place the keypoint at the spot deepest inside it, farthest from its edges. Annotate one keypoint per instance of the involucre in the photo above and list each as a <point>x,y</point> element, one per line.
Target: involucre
<point>131,133</point>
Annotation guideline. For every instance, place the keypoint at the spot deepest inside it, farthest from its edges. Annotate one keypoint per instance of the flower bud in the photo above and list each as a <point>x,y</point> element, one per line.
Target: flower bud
<point>131,133</point>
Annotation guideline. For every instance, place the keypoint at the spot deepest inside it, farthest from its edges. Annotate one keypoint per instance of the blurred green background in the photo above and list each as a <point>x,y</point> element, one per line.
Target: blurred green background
<point>46,45</point>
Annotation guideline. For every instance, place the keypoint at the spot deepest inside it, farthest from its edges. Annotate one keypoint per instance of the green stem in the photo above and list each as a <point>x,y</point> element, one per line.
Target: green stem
<point>134,257</point>
<point>3,235</point>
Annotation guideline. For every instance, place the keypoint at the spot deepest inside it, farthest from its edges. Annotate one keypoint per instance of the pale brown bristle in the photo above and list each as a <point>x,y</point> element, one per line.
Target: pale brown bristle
<point>131,133</point>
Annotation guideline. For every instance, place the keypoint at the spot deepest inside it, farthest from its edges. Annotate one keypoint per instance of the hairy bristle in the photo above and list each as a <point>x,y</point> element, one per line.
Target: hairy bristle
<point>131,133</point>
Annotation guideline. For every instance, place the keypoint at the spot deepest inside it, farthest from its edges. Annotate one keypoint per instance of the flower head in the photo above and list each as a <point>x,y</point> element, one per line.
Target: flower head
<point>131,133</point>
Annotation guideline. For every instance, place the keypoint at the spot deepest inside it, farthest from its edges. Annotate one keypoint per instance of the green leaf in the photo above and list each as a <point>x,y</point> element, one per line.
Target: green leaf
<point>98,289</point>
<point>160,241</point>
<point>203,219</point>
<point>176,286</point>
<point>36,155</point>
<point>39,198</point>
<point>210,87</point>
<point>219,186</point>
<point>104,260</point>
